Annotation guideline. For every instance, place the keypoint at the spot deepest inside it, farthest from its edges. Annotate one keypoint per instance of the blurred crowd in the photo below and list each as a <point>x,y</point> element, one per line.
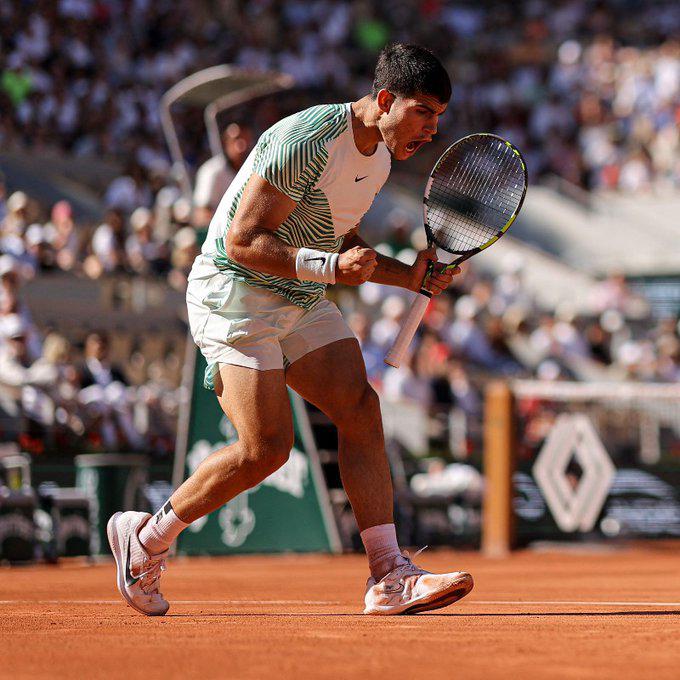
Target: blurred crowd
<point>589,89</point>
<point>481,327</point>
<point>484,327</point>
<point>157,242</point>
<point>66,394</point>
<point>58,397</point>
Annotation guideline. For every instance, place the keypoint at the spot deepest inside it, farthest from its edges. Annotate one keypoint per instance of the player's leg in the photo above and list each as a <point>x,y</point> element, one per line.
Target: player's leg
<point>333,378</point>
<point>257,404</point>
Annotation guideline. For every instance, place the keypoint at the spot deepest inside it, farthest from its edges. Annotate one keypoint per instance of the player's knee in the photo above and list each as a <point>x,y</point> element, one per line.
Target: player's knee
<point>361,411</point>
<point>270,450</point>
<point>277,460</point>
<point>369,402</point>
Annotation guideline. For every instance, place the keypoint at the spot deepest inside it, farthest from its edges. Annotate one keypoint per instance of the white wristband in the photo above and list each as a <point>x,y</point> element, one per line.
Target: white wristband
<point>316,265</point>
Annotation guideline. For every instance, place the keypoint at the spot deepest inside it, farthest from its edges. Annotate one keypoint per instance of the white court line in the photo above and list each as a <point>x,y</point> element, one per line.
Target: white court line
<point>512,603</point>
<point>313,602</point>
<point>597,603</point>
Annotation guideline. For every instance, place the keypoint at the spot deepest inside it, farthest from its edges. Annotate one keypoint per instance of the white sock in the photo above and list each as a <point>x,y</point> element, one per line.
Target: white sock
<point>381,547</point>
<point>158,534</point>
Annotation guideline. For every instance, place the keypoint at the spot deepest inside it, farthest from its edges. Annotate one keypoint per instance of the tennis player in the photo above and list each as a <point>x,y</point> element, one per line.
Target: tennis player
<point>285,229</point>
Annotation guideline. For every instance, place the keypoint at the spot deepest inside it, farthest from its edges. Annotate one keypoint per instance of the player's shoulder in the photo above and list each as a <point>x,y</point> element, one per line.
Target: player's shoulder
<point>317,124</point>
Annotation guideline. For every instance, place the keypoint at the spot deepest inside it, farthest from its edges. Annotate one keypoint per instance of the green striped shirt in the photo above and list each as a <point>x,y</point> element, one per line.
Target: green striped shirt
<point>310,157</point>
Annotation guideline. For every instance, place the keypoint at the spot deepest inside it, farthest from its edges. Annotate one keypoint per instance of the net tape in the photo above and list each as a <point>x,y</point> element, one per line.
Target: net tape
<point>476,189</point>
<point>654,400</point>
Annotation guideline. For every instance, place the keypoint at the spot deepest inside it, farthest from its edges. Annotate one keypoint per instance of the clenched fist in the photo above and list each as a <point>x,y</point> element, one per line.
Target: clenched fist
<point>355,266</point>
<point>439,280</point>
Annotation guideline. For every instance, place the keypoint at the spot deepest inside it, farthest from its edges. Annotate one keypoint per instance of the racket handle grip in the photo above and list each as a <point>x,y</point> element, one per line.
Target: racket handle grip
<point>396,354</point>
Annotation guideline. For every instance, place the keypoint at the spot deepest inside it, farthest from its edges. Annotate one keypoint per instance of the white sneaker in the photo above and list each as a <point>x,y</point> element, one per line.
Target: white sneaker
<point>408,589</point>
<point>138,572</point>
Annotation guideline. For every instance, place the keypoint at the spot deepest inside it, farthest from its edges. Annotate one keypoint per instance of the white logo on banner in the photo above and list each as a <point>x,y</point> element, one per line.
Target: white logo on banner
<point>291,477</point>
<point>575,506</point>
<point>237,521</point>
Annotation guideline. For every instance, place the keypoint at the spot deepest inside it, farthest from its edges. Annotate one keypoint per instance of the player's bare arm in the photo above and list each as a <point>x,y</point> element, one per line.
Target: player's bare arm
<point>392,272</point>
<point>251,240</point>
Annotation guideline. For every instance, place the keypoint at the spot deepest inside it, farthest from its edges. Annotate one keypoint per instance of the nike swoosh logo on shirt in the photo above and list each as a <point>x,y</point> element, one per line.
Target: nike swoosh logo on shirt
<point>358,179</point>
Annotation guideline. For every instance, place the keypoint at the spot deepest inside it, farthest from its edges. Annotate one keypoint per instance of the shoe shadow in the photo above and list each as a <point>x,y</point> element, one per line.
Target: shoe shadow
<point>262,614</point>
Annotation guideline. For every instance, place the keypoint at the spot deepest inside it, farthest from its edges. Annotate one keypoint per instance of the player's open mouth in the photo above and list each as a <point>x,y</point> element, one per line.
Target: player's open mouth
<point>415,144</point>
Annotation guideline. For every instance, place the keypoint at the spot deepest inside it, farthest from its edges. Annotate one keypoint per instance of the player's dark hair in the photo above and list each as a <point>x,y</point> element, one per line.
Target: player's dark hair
<point>409,69</point>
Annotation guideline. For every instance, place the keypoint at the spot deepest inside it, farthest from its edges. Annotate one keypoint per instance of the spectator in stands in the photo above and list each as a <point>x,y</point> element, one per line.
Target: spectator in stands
<point>3,196</point>
<point>407,384</point>
<point>599,342</point>
<point>104,396</point>
<point>184,252</point>
<point>217,173</point>
<point>50,398</point>
<point>385,329</point>
<point>61,233</point>
<point>107,246</point>
<point>21,380</point>
<point>39,254</point>
<point>14,224</point>
<point>145,255</point>
<point>12,305</point>
<point>464,394</point>
<point>399,230</point>
<point>97,368</point>
<point>14,358</point>
<point>129,190</point>
<point>9,285</point>
<point>466,334</point>
<point>14,363</point>
<point>166,195</point>
<point>505,360</point>
<point>615,294</point>
<point>668,351</point>
<point>372,352</point>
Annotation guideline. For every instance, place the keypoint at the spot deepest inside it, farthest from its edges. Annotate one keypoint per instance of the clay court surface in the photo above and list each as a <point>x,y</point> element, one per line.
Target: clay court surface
<point>538,614</point>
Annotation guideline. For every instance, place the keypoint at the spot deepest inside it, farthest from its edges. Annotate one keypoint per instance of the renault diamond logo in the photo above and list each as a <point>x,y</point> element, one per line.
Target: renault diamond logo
<point>575,508</point>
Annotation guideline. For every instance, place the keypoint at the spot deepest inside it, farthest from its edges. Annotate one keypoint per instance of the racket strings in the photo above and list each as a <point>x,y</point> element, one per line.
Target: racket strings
<point>484,171</point>
<point>476,194</point>
<point>475,190</point>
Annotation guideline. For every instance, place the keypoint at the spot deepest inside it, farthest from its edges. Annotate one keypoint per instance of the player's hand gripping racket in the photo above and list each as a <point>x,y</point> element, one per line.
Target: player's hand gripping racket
<point>473,195</point>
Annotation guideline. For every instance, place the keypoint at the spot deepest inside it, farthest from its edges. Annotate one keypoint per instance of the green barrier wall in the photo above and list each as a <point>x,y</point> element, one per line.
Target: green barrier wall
<point>113,482</point>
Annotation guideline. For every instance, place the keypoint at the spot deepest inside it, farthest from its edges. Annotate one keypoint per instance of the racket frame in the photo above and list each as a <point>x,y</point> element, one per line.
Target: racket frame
<point>396,353</point>
<point>466,254</point>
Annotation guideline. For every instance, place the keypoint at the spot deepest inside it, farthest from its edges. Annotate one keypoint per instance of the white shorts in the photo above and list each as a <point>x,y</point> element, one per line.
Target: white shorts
<point>235,323</point>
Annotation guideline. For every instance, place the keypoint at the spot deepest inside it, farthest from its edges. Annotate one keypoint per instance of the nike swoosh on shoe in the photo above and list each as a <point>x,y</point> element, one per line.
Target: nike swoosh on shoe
<point>130,580</point>
<point>396,588</point>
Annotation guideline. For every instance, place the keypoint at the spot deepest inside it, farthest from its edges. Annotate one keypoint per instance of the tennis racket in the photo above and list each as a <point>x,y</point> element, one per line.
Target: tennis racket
<point>472,196</point>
